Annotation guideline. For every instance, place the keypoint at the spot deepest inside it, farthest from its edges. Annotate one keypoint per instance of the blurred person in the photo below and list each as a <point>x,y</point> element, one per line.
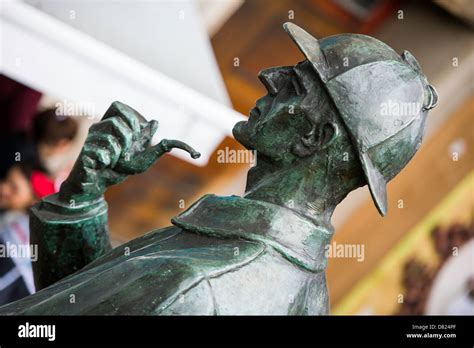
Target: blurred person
<point>53,136</point>
<point>26,181</point>
<point>16,192</point>
<point>40,174</point>
<point>16,196</point>
<point>42,169</point>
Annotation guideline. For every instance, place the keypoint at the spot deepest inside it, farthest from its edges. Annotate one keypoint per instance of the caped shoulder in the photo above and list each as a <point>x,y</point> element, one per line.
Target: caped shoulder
<point>144,276</point>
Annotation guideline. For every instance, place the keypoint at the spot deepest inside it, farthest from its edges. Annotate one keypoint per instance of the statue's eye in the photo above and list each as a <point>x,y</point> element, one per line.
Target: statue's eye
<point>296,85</point>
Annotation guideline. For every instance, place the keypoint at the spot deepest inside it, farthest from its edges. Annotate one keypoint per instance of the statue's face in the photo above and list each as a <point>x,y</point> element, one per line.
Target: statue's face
<point>278,121</point>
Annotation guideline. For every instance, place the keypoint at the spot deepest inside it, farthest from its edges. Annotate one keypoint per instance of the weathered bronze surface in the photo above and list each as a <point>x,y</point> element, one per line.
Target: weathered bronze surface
<point>328,125</point>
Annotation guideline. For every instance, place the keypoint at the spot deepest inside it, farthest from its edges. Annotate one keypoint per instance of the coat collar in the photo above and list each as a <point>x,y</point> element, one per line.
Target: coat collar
<point>296,237</point>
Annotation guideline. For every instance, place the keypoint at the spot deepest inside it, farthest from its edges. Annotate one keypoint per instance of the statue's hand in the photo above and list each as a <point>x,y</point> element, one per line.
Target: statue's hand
<point>117,146</point>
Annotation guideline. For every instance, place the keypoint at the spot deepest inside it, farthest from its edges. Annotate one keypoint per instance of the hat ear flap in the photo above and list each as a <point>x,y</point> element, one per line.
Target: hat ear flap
<point>376,182</point>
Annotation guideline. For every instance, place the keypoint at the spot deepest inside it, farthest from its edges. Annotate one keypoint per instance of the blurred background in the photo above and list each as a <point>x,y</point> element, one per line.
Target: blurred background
<point>192,65</point>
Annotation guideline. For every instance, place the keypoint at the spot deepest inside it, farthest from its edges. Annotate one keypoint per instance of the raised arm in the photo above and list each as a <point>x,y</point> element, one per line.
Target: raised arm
<point>70,227</point>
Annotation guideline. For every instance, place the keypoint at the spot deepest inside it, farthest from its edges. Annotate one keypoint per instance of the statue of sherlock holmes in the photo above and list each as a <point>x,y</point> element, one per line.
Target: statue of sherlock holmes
<point>323,130</point>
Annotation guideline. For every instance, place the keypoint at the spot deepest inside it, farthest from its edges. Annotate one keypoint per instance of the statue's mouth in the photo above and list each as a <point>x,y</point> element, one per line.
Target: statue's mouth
<point>245,131</point>
<point>255,112</point>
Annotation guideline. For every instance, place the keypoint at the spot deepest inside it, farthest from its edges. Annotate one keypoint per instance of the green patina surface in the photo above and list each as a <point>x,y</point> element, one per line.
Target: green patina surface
<point>319,133</point>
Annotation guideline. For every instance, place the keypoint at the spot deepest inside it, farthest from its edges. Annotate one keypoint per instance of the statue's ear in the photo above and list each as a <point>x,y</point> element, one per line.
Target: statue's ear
<point>328,133</point>
<point>319,137</point>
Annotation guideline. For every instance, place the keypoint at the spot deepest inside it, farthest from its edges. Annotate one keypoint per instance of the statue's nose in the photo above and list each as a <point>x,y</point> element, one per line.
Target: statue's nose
<point>271,78</point>
<point>267,78</point>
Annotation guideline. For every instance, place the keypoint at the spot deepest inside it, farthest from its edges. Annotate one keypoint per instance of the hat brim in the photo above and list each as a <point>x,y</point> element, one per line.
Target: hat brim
<point>309,46</point>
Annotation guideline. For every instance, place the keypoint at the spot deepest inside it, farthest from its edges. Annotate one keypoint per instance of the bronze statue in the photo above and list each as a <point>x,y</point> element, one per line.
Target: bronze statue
<point>352,113</point>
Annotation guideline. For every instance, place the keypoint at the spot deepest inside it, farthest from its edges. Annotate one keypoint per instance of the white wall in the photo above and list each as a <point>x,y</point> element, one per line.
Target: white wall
<point>61,61</point>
